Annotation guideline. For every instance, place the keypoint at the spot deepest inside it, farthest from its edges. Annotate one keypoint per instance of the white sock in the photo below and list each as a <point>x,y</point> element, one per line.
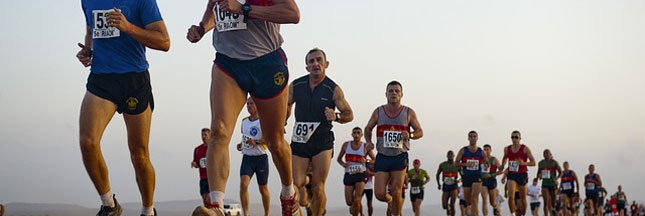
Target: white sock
<point>147,210</point>
<point>217,197</point>
<point>107,199</point>
<point>287,191</point>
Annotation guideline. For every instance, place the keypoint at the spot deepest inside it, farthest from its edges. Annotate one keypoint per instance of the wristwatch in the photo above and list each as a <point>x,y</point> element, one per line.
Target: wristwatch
<point>246,8</point>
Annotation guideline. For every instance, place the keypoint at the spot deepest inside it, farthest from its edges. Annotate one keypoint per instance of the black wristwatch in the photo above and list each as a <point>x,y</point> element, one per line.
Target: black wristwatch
<point>246,8</point>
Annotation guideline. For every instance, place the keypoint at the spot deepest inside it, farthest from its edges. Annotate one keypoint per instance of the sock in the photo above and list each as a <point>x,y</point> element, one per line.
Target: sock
<point>217,197</point>
<point>107,199</point>
<point>287,191</point>
<point>147,210</point>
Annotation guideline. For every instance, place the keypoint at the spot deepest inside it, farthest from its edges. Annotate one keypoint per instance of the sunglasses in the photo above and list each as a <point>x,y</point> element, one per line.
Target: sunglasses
<point>515,137</point>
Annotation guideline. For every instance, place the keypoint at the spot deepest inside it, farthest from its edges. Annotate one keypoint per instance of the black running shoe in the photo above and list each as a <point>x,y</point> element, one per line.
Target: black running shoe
<point>111,211</point>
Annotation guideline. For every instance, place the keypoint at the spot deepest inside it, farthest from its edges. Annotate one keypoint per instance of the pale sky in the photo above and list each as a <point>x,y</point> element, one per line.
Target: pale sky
<point>568,74</point>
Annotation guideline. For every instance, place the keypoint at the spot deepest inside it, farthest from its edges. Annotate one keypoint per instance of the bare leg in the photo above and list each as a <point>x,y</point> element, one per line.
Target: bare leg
<point>300,166</point>
<point>95,115</point>
<point>453,199</point>
<point>138,136</point>
<point>244,193</point>
<point>523,192</point>
<point>358,196</point>
<point>397,187</point>
<point>484,193</point>
<point>320,170</point>
<point>227,100</point>
<point>416,206</point>
<point>475,191</point>
<point>266,199</point>
<point>510,187</point>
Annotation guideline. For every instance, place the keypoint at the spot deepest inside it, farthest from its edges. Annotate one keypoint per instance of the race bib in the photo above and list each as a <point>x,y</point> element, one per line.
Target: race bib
<point>449,180</point>
<point>415,190</point>
<point>485,168</point>
<point>202,163</point>
<point>353,169</point>
<point>101,28</point>
<point>302,131</point>
<point>227,21</point>
<point>546,174</point>
<point>245,142</point>
<point>567,186</point>
<point>392,139</point>
<point>591,186</point>
<point>474,164</point>
<point>514,166</point>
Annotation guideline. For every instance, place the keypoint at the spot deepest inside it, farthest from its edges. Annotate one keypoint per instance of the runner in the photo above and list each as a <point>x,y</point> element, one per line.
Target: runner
<point>621,201</point>
<point>534,193</point>
<point>517,155</point>
<point>316,97</point>
<point>462,201</point>
<point>418,178</point>
<point>368,192</point>
<point>254,160</point>
<point>558,206</point>
<point>602,194</point>
<point>592,182</point>
<point>393,135</point>
<point>448,169</point>
<point>116,37</point>
<point>471,157</point>
<point>634,208</point>
<point>248,60</point>
<point>355,157</point>
<point>567,191</point>
<point>199,161</point>
<point>549,171</point>
<point>489,182</point>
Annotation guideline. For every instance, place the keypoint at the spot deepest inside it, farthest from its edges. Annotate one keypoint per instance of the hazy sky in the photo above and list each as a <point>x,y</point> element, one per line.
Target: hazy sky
<point>568,74</point>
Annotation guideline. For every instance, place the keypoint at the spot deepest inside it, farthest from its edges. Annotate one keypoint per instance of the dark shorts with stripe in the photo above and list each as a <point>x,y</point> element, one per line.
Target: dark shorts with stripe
<point>258,165</point>
<point>470,179</point>
<point>520,178</point>
<point>131,92</point>
<point>490,183</point>
<point>263,77</point>
<point>203,186</point>
<point>384,163</point>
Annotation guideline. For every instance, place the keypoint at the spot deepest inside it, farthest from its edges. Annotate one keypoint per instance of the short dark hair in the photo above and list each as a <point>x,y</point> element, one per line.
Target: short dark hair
<point>487,145</point>
<point>472,131</point>
<point>206,130</point>
<point>516,132</point>
<point>394,82</point>
<point>357,128</point>
<point>315,49</point>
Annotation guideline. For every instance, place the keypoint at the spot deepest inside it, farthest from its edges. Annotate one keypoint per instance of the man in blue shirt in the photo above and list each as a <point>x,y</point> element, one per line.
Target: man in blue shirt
<point>114,49</point>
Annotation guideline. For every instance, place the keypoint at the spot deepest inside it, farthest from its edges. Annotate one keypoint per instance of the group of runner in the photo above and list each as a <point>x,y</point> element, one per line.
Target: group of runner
<point>249,60</point>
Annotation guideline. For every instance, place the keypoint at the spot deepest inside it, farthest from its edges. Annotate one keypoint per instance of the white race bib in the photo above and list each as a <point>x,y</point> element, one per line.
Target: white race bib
<point>485,168</point>
<point>591,186</point>
<point>415,190</point>
<point>449,180</point>
<point>356,168</point>
<point>567,186</point>
<point>101,28</point>
<point>546,174</point>
<point>227,21</point>
<point>202,163</point>
<point>514,166</point>
<point>392,139</point>
<point>245,142</point>
<point>474,164</point>
<point>302,131</point>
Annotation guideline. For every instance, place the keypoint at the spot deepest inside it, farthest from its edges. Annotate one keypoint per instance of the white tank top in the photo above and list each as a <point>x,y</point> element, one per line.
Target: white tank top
<point>251,130</point>
<point>353,157</point>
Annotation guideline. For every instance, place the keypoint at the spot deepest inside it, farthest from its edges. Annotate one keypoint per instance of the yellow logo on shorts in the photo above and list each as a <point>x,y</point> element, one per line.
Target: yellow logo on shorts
<point>132,103</point>
<point>278,78</point>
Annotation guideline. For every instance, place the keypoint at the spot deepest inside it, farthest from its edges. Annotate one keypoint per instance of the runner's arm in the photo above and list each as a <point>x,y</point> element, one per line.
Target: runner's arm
<point>559,169</point>
<point>339,159</point>
<point>370,126</point>
<point>599,181</point>
<point>282,11</point>
<point>499,171</point>
<point>346,114</point>
<point>414,123</point>
<point>427,178</point>
<point>208,19</point>
<point>537,173</point>
<point>438,175</point>
<point>154,35</point>
<point>504,159</point>
<point>370,153</point>
<point>530,156</point>
<point>458,162</point>
<point>575,178</point>
<point>290,101</point>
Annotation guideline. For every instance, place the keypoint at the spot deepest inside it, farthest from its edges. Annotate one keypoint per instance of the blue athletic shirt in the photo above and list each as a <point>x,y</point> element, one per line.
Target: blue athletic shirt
<point>119,54</point>
<point>476,158</point>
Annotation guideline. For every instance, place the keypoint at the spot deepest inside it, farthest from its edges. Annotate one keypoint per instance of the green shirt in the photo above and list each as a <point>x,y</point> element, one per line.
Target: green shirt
<point>421,176</point>
<point>547,172</point>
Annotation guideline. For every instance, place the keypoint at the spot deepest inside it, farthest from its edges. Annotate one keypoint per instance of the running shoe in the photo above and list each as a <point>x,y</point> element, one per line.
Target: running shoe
<point>111,211</point>
<point>290,207</point>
